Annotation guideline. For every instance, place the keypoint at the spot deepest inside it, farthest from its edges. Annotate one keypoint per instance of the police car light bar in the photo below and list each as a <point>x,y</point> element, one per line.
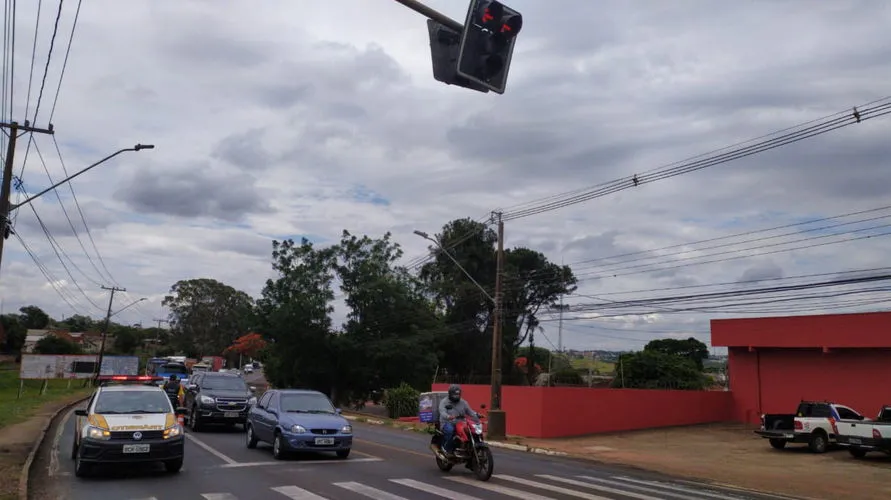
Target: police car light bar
<point>129,378</point>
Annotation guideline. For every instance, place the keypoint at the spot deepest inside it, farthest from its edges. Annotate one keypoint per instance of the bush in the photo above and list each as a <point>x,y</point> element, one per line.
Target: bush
<point>402,401</point>
<point>568,376</point>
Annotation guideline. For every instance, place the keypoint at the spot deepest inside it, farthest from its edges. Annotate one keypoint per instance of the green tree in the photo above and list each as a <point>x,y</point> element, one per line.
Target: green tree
<point>126,340</point>
<point>530,283</point>
<point>79,323</point>
<point>15,333</point>
<point>692,349</point>
<point>650,369</point>
<point>389,335</point>
<point>206,316</point>
<point>51,344</point>
<point>34,318</point>
<point>292,314</point>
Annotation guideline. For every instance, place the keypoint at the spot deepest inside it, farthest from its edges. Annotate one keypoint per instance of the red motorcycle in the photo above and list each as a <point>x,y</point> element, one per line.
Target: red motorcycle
<point>471,448</point>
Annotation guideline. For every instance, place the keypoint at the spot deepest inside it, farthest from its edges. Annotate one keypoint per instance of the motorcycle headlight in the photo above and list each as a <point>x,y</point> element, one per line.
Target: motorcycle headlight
<point>174,431</point>
<point>97,433</point>
<point>298,429</point>
<point>478,428</point>
<point>346,429</point>
<point>207,400</point>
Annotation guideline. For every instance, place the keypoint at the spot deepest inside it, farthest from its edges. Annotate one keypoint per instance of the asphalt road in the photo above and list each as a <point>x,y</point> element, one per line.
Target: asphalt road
<point>386,464</point>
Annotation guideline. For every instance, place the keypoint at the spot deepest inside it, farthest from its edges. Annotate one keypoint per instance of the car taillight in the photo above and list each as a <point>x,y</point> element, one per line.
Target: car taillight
<point>876,434</point>
<point>798,425</point>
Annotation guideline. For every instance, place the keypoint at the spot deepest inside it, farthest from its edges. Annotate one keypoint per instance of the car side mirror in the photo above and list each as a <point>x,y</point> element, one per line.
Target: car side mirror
<point>338,411</point>
<point>80,412</point>
<point>253,388</point>
<point>181,411</point>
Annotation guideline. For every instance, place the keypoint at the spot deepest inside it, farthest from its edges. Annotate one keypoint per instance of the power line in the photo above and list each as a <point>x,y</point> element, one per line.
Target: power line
<point>65,62</point>
<point>49,56</point>
<point>52,280</point>
<point>828,124</point>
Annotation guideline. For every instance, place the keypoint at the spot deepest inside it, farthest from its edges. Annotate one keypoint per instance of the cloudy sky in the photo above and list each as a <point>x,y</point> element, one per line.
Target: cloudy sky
<point>281,119</point>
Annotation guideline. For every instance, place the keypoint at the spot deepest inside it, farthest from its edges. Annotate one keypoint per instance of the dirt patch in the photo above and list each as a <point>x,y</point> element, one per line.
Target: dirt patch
<point>732,454</point>
<point>17,440</point>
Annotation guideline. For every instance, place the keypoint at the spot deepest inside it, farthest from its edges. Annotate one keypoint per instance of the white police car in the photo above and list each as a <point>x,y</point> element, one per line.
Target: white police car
<point>128,419</point>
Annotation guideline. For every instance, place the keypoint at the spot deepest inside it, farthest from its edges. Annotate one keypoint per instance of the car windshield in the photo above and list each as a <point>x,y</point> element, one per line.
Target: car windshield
<point>127,402</point>
<point>306,403</point>
<point>179,369</point>
<point>224,384</point>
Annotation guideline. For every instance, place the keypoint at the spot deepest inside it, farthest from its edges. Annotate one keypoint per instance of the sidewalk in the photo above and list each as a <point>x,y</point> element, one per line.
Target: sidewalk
<point>732,454</point>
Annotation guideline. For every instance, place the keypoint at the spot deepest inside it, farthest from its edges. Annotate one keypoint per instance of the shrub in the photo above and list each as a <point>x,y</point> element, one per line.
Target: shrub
<point>402,401</point>
<point>569,376</point>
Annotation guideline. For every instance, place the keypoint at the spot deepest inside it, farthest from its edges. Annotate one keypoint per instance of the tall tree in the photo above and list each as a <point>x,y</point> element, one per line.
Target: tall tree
<point>15,333</point>
<point>79,323</point>
<point>206,315</point>
<point>293,315</point>
<point>34,318</point>
<point>650,369</point>
<point>690,348</point>
<point>390,329</point>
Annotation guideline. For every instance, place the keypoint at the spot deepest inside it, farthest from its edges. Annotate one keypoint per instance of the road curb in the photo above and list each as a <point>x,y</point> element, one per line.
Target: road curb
<point>25,475</point>
<point>527,449</point>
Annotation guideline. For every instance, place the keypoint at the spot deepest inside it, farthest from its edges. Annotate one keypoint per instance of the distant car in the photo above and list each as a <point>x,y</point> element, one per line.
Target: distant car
<point>126,424</point>
<point>248,369</point>
<point>217,398</point>
<point>296,421</point>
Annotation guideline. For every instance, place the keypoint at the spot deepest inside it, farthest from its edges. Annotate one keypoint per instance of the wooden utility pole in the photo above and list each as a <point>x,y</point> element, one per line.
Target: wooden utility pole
<point>112,289</point>
<point>6,187</point>
<point>161,321</point>
<point>497,417</point>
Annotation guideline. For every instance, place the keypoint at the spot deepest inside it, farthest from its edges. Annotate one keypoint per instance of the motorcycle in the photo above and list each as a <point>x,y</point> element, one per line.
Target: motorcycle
<point>471,449</point>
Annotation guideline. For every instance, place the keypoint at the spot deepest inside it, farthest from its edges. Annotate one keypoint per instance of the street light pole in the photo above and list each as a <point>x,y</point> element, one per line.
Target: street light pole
<point>131,304</point>
<point>497,417</point>
<point>6,207</point>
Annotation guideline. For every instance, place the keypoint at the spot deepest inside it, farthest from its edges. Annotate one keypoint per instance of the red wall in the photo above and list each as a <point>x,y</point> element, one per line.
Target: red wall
<point>549,412</point>
<point>852,377</point>
<point>856,330</point>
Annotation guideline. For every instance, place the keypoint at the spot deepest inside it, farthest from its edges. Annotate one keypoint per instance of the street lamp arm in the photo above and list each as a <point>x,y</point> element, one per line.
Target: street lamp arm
<point>128,305</point>
<point>436,242</point>
<point>137,147</point>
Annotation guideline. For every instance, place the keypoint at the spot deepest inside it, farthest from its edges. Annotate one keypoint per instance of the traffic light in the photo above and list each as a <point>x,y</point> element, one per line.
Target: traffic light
<point>487,43</point>
<point>444,44</point>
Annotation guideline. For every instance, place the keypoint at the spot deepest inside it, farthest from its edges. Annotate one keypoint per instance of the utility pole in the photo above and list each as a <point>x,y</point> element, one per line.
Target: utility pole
<point>497,417</point>
<point>560,324</point>
<point>6,187</point>
<point>161,321</point>
<point>112,289</point>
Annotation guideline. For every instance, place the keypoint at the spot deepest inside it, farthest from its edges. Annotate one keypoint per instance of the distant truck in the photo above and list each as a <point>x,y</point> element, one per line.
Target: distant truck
<point>861,436</point>
<point>814,423</point>
<point>200,367</point>
<point>215,362</point>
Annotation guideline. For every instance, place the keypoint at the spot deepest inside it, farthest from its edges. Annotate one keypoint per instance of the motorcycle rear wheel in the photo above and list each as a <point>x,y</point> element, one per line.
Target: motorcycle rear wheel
<point>484,464</point>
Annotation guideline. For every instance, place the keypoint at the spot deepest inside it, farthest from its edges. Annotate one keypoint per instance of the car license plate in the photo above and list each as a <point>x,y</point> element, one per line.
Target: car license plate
<point>230,414</point>
<point>137,448</point>
<point>855,441</point>
<point>325,441</point>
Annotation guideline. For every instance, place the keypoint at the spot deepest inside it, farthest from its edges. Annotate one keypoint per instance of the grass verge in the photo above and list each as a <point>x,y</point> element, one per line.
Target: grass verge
<point>22,420</point>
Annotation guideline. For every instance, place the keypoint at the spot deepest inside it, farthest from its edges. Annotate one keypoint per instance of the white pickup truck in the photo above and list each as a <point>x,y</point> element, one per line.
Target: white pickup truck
<point>813,423</point>
<point>863,436</point>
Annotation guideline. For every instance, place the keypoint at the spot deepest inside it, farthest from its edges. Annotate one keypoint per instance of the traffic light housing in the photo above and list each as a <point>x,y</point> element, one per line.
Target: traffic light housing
<point>487,43</point>
<point>444,45</point>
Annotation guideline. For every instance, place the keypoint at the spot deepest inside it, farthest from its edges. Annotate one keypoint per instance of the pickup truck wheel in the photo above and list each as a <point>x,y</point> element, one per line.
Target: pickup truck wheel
<point>857,452</point>
<point>818,442</point>
<point>779,444</point>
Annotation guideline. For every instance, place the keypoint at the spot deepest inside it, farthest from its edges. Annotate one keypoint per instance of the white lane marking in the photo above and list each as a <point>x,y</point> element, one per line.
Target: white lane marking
<point>550,487</point>
<point>213,451</point>
<point>219,496</point>
<point>433,490</point>
<point>606,489</point>
<point>54,452</point>
<point>300,462</point>
<point>668,486</point>
<point>295,493</point>
<point>525,495</point>
<point>686,491</point>
<point>368,491</point>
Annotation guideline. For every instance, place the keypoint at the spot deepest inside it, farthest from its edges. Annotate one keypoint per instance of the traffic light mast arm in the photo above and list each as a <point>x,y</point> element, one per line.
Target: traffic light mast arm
<point>433,14</point>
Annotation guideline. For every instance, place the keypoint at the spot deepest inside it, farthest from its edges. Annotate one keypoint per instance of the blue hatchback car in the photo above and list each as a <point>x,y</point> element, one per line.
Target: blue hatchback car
<point>295,420</point>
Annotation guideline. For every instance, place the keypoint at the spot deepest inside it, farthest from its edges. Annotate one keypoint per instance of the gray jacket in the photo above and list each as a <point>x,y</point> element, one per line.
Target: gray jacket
<point>461,408</point>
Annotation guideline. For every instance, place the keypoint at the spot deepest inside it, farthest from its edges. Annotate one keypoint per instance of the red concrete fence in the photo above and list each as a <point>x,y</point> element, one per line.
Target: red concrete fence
<point>550,412</point>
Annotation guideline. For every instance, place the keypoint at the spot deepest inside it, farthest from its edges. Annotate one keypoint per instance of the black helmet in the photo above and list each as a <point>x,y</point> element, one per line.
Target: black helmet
<point>454,393</point>
<point>173,377</point>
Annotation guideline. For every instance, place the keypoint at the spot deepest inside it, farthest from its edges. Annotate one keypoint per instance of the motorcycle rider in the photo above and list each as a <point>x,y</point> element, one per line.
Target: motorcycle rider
<point>447,417</point>
<point>174,390</point>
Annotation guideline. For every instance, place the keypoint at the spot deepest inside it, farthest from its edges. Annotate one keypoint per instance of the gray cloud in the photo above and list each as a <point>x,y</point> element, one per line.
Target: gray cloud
<point>764,271</point>
<point>195,191</point>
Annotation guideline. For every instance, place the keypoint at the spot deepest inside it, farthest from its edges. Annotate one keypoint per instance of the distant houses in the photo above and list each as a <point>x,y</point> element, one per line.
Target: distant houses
<point>89,342</point>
